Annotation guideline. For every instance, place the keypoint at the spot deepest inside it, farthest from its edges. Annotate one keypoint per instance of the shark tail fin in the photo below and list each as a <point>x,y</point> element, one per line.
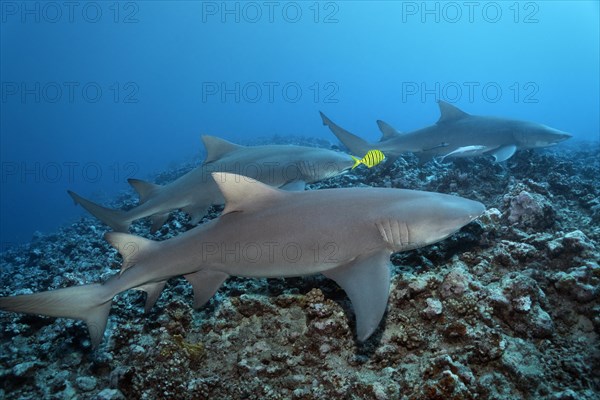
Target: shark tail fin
<point>356,161</point>
<point>116,219</point>
<point>89,303</point>
<point>355,144</point>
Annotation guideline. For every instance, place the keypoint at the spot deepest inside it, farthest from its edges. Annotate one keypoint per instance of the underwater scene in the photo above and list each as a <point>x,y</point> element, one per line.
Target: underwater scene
<point>300,200</point>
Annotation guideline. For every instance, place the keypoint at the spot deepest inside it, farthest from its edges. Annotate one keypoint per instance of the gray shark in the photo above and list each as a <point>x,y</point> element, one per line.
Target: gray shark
<point>284,166</point>
<point>456,134</point>
<point>345,234</point>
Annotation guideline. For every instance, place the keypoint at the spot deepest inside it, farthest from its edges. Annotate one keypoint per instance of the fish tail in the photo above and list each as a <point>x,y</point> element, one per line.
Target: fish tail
<point>89,303</point>
<point>357,162</point>
<point>116,219</point>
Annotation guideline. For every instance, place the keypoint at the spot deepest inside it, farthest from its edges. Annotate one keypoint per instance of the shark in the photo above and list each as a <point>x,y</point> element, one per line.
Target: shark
<point>456,134</point>
<point>288,167</point>
<point>346,234</point>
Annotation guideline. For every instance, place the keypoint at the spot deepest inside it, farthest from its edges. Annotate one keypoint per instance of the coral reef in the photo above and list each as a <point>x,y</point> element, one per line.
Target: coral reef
<point>508,308</point>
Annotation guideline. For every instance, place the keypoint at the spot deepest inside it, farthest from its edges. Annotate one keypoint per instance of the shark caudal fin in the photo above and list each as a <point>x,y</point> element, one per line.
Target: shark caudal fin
<point>355,144</point>
<point>116,219</point>
<point>89,303</point>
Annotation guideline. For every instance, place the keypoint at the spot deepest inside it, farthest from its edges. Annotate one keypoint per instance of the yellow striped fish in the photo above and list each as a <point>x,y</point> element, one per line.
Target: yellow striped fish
<point>371,159</point>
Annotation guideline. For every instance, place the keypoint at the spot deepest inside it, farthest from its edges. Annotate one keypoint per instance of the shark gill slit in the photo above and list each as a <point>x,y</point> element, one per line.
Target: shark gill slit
<point>394,232</point>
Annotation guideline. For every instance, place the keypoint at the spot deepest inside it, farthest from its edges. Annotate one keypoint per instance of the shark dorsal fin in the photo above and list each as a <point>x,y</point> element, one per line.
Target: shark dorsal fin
<point>448,112</point>
<point>217,147</point>
<point>144,189</point>
<point>387,131</point>
<point>132,248</point>
<point>244,194</point>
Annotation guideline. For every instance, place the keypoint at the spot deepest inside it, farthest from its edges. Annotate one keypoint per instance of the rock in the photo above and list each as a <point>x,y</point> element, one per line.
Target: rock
<point>86,383</point>
<point>522,304</point>
<point>581,283</point>
<point>517,302</point>
<point>572,242</point>
<point>507,308</point>
<point>455,283</point>
<point>25,368</point>
<point>577,241</point>
<point>530,210</point>
<point>109,394</point>
<point>520,360</point>
<point>433,309</point>
<point>490,218</point>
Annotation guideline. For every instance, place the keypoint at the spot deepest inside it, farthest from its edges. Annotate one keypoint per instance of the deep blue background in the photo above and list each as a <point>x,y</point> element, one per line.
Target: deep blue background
<point>154,63</point>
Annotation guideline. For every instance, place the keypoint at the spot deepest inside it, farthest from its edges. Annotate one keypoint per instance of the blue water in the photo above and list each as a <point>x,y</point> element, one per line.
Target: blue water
<point>96,92</point>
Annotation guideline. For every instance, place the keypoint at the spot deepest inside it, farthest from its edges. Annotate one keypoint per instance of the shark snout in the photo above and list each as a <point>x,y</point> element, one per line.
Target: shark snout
<point>554,136</point>
<point>467,211</point>
<point>454,213</point>
<point>562,136</point>
<point>476,209</point>
<point>555,139</point>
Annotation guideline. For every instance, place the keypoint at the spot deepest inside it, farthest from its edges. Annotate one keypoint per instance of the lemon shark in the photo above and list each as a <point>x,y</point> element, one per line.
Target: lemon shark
<point>456,134</point>
<point>286,166</point>
<point>346,234</point>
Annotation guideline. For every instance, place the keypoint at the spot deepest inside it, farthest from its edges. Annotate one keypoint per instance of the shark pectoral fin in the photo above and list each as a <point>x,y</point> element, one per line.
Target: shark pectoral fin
<point>504,153</point>
<point>153,291</point>
<point>424,157</point>
<point>144,189</point>
<point>205,284</point>
<point>366,281</point>
<point>294,186</point>
<point>196,211</point>
<point>390,160</point>
<point>217,147</point>
<point>196,216</point>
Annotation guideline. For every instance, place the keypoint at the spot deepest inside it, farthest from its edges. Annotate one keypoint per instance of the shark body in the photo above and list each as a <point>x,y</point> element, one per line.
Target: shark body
<point>285,166</point>
<point>454,133</point>
<point>345,234</point>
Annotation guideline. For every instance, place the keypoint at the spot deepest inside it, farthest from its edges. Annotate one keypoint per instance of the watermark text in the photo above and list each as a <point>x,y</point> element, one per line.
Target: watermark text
<point>22,172</point>
<point>53,12</point>
<point>470,91</point>
<point>69,92</point>
<point>252,12</point>
<point>452,12</point>
<point>269,92</point>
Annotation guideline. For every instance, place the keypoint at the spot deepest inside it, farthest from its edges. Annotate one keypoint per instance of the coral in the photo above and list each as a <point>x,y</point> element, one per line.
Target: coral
<point>529,210</point>
<point>508,308</point>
